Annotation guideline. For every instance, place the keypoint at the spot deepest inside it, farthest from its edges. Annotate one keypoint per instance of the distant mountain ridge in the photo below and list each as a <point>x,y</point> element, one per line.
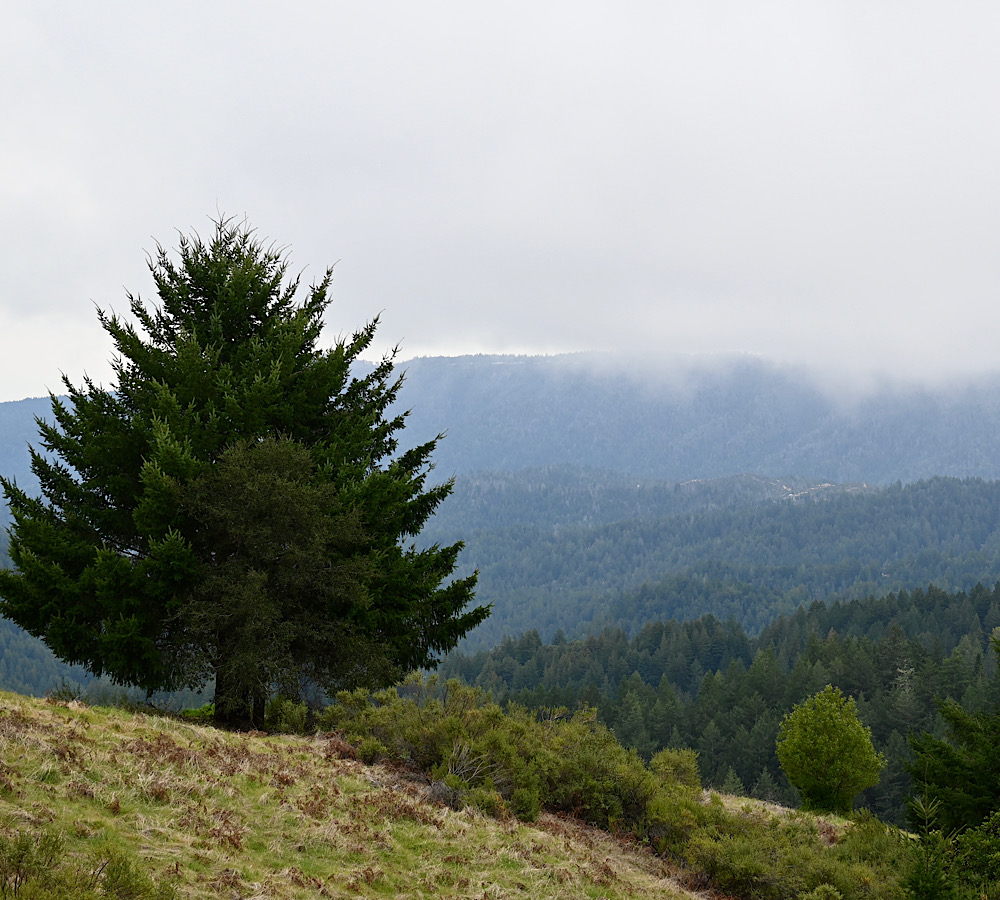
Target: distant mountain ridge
<point>693,419</point>
<point>682,420</point>
<point>591,496</point>
<point>569,495</point>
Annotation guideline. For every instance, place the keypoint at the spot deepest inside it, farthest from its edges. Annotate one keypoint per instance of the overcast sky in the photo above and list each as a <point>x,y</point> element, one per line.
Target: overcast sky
<point>811,182</point>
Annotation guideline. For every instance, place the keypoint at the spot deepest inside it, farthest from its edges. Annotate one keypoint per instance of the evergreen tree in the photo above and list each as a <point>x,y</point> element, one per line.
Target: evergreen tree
<point>960,774</point>
<point>732,784</point>
<point>826,752</point>
<point>236,505</point>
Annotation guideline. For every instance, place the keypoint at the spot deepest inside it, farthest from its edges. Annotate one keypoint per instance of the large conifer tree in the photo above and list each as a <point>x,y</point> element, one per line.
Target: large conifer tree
<point>236,506</point>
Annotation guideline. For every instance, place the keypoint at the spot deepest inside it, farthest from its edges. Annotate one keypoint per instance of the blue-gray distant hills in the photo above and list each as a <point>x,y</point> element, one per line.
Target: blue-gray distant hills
<point>696,419</point>
<point>673,420</point>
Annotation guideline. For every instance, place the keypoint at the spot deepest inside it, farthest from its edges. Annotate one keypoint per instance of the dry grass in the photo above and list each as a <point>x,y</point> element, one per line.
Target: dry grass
<point>246,816</point>
<point>830,826</point>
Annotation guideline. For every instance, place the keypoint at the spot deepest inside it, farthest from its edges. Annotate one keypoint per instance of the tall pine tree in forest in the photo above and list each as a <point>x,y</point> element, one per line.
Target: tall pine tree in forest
<point>236,506</point>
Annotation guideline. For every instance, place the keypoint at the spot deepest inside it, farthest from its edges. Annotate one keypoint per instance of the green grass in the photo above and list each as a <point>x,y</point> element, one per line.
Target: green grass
<point>201,813</point>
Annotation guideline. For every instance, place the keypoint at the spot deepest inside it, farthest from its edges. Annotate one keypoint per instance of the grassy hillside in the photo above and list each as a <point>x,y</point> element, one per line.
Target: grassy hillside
<point>101,802</point>
<point>205,813</point>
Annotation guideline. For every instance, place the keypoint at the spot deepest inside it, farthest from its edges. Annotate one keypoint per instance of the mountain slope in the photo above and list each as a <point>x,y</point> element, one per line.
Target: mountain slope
<point>750,559</point>
<point>670,420</point>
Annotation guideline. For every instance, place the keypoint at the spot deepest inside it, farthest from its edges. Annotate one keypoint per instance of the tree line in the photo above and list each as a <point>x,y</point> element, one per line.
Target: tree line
<point>708,685</point>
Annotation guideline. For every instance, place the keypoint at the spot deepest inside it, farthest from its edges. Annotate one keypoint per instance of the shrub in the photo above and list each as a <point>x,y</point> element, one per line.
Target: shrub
<point>25,858</point>
<point>563,762</point>
<point>284,716</point>
<point>203,714</point>
<point>33,866</point>
<point>678,765</point>
<point>370,750</point>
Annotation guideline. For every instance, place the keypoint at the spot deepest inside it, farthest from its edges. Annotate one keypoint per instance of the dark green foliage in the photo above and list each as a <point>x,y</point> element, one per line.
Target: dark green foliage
<point>285,716</point>
<point>34,866</point>
<point>976,854</point>
<point>959,773</point>
<point>237,504</point>
<point>826,752</point>
<point>750,855</point>
<point>747,561</point>
<point>929,875</point>
<point>565,763</point>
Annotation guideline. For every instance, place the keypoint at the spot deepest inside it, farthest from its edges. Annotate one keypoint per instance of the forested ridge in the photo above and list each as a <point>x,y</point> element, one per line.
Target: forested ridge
<point>552,560</point>
<point>696,417</point>
<point>707,684</point>
<point>672,420</point>
<point>566,555</point>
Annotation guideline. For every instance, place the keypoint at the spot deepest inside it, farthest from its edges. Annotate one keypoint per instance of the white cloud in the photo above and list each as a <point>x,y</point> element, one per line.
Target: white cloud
<point>810,182</point>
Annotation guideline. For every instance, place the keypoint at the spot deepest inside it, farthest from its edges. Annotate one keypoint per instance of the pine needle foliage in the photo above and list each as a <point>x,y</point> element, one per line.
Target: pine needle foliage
<point>237,504</point>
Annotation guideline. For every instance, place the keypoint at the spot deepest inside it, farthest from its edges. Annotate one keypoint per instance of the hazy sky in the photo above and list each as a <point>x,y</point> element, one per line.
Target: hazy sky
<point>812,182</point>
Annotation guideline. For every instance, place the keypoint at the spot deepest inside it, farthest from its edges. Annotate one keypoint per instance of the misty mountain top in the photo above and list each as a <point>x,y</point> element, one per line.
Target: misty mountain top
<point>675,418</point>
<point>681,418</point>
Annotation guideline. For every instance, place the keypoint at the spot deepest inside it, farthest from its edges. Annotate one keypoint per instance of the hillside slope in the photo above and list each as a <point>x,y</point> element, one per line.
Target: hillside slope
<point>210,814</point>
<point>751,560</point>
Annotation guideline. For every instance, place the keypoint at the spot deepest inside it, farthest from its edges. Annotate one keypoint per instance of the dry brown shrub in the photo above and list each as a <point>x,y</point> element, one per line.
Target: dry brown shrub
<point>68,755</point>
<point>367,875</point>
<point>283,778</point>
<point>389,804</point>
<point>158,790</point>
<point>227,878</point>
<point>335,747</point>
<point>14,723</point>
<point>162,749</point>
<point>195,818</point>
<point>228,829</point>
<point>297,877</point>
<point>828,833</point>
<point>603,872</point>
<point>316,804</point>
<point>79,789</point>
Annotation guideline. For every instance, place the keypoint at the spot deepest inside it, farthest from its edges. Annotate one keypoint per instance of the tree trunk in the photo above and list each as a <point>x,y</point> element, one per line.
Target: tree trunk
<point>257,713</point>
<point>232,702</point>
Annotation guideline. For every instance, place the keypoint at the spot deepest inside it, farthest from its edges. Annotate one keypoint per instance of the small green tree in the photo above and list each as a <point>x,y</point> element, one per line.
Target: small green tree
<point>826,752</point>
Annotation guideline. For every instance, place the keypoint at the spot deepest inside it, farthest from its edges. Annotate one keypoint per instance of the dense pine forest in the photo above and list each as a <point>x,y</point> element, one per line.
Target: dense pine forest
<point>572,551</point>
<point>706,684</point>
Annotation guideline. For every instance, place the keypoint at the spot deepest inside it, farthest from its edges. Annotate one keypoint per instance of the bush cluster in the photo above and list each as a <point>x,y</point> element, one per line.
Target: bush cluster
<point>511,762</point>
<point>35,866</point>
<point>750,854</point>
<point>515,762</point>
